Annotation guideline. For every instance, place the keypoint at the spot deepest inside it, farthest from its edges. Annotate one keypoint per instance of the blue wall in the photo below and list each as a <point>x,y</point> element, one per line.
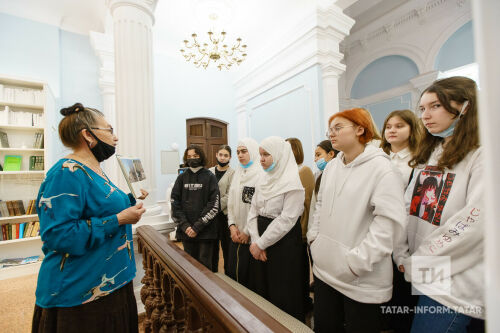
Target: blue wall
<point>62,59</point>
<point>290,109</point>
<point>181,92</point>
<point>30,49</point>
<point>458,50</point>
<point>79,71</point>
<point>383,74</point>
<point>380,110</point>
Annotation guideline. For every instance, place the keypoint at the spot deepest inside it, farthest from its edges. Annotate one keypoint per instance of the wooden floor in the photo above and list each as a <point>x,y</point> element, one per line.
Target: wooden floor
<point>17,300</point>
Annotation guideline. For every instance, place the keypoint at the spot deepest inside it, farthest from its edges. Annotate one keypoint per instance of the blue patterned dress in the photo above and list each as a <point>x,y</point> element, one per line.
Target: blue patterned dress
<point>88,255</point>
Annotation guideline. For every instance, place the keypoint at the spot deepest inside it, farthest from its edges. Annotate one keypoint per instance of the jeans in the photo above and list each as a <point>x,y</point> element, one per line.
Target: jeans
<point>448,321</point>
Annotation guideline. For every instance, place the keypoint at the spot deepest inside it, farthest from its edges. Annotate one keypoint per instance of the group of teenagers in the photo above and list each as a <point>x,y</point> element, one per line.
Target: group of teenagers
<point>380,212</point>
<point>381,215</point>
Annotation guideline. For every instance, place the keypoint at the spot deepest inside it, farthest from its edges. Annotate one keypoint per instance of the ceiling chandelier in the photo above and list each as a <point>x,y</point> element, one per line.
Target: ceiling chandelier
<point>215,51</point>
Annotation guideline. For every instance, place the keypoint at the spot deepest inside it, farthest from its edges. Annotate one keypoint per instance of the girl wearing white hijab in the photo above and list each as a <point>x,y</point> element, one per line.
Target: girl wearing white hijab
<point>240,198</point>
<point>274,226</point>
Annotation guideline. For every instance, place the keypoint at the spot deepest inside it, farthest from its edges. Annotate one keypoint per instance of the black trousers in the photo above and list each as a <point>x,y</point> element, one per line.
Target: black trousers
<point>401,296</point>
<point>238,267</point>
<point>201,250</point>
<point>334,312</point>
<point>306,271</point>
<point>223,237</point>
<point>280,279</point>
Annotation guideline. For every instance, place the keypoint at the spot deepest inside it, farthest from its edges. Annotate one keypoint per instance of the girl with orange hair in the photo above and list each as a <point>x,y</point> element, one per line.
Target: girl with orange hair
<point>359,208</point>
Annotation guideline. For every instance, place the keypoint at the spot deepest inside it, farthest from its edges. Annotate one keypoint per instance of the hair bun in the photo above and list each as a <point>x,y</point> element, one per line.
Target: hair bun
<point>77,107</point>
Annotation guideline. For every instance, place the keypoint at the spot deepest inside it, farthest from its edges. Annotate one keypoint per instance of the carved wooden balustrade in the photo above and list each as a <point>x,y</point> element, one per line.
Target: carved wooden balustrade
<point>181,295</point>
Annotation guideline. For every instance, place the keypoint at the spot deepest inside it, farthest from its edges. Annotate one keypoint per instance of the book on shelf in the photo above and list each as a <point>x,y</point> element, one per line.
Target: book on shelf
<point>4,140</point>
<point>21,95</point>
<point>18,261</point>
<point>36,163</point>
<point>4,116</point>
<point>12,163</point>
<point>12,231</point>
<point>134,174</point>
<point>36,229</point>
<point>38,143</point>
<point>17,208</point>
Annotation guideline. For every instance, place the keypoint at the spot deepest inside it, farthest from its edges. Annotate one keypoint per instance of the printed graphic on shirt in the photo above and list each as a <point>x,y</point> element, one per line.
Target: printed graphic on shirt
<point>247,194</point>
<point>430,194</point>
<point>73,166</point>
<point>193,187</point>
<point>97,292</point>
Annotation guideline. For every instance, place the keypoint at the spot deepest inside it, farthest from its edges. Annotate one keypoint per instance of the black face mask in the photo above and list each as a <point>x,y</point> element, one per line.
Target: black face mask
<point>193,162</point>
<point>222,164</point>
<point>102,151</point>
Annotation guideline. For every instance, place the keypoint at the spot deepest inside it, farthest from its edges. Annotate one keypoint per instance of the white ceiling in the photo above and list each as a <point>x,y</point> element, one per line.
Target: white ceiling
<point>258,22</point>
<point>73,15</point>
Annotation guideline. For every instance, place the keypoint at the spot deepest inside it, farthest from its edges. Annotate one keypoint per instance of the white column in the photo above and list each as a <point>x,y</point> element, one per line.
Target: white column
<point>487,45</point>
<point>331,102</point>
<point>241,110</point>
<point>333,28</point>
<point>132,23</point>
<point>104,49</point>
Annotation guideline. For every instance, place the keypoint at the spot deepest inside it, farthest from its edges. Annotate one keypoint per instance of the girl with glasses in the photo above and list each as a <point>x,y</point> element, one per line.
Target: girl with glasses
<point>359,208</point>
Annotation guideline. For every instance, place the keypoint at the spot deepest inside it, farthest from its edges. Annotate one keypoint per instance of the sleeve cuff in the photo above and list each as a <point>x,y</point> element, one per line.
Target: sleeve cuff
<point>197,227</point>
<point>105,227</point>
<point>260,244</point>
<point>132,199</point>
<point>183,226</point>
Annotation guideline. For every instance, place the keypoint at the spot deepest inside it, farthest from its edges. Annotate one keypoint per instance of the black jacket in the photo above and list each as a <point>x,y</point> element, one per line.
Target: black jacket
<point>195,203</point>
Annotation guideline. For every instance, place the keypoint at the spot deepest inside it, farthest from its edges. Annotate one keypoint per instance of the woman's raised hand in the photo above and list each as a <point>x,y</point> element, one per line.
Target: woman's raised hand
<point>131,215</point>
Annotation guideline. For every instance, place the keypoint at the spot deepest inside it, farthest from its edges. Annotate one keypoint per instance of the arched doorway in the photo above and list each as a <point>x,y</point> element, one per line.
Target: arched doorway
<point>207,133</point>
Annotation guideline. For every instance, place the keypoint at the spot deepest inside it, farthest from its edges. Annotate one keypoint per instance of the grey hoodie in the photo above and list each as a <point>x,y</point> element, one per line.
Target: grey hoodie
<point>360,207</point>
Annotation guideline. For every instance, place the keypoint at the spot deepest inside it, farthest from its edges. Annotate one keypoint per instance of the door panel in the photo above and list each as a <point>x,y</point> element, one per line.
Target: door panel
<point>207,133</point>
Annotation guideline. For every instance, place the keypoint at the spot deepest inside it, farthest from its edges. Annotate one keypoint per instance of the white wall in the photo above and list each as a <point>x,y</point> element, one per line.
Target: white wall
<point>416,30</point>
<point>181,92</point>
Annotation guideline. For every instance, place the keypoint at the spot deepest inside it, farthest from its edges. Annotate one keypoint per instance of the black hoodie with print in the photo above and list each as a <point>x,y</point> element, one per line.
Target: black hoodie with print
<point>195,202</point>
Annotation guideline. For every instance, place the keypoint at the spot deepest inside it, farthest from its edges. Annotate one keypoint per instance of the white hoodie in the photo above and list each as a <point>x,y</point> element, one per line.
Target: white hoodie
<point>359,208</point>
<point>447,222</point>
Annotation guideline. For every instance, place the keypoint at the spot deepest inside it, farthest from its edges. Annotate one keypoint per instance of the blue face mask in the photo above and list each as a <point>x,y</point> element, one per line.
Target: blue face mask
<point>247,165</point>
<point>271,167</point>
<point>321,164</point>
<point>449,131</point>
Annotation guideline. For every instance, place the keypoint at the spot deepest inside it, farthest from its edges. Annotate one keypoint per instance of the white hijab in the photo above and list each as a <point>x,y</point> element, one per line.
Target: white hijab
<point>244,177</point>
<point>285,175</point>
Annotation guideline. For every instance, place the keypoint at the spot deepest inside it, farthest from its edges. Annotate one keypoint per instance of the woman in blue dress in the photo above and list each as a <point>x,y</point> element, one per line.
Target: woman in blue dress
<point>85,281</point>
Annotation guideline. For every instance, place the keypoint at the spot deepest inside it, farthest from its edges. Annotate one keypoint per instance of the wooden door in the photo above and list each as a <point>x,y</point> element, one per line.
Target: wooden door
<point>207,133</point>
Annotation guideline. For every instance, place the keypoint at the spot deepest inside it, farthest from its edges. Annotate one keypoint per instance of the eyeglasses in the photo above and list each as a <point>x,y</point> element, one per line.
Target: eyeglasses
<point>110,129</point>
<point>332,131</point>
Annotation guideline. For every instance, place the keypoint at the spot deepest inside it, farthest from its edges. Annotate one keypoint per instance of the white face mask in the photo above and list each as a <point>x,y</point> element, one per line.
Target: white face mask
<point>449,131</point>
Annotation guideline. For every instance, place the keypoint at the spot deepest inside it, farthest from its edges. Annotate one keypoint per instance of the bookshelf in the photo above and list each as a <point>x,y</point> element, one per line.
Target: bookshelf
<point>26,106</point>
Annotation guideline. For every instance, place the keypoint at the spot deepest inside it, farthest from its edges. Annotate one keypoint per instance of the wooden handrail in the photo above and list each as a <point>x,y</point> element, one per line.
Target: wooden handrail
<point>180,294</point>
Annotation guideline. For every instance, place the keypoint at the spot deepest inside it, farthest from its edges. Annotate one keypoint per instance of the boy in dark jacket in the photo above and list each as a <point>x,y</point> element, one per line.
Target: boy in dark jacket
<point>195,203</point>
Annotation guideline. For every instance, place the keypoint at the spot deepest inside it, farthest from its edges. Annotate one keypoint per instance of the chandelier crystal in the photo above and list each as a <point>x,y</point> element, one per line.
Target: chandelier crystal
<point>215,51</point>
